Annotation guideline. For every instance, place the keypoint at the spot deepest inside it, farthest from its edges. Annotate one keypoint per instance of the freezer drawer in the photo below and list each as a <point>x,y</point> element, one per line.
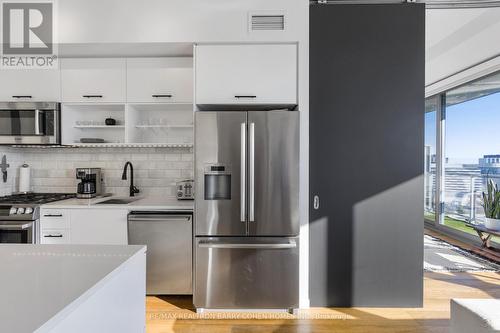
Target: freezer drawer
<point>246,273</point>
<point>169,250</point>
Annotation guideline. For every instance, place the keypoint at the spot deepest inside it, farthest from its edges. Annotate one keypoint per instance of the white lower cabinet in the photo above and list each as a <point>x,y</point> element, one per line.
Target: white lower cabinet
<point>55,236</point>
<point>54,219</point>
<point>84,226</point>
<point>99,226</point>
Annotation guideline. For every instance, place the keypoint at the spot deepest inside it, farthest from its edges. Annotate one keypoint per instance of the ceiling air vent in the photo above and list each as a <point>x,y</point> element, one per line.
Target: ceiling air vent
<point>261,22</point>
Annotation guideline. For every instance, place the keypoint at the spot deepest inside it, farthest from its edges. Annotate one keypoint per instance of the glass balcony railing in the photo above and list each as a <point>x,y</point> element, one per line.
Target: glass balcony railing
<point>463,205</point>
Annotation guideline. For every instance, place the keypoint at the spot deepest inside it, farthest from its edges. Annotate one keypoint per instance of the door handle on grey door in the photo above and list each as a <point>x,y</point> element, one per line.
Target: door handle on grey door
<point>316,202</point>
<point>251,171</point>
<point>243,176</point>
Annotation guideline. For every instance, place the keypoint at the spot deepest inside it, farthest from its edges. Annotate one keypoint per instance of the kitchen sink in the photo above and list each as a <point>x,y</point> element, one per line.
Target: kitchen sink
<point>117,201</point>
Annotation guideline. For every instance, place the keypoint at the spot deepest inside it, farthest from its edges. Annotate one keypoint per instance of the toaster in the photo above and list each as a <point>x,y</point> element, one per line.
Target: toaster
<point>185,189</point>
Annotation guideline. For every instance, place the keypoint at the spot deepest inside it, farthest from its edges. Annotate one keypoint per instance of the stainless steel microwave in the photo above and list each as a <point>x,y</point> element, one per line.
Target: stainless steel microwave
<point>36,123</point>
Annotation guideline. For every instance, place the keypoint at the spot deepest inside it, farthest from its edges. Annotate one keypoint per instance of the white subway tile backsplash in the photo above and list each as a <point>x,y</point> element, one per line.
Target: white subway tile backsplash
<point>173,157</point>
<point>156,157</point>
<point>160,174</point>
<point>53,170</point>
<point>187,157</point>
<point>187,174</point>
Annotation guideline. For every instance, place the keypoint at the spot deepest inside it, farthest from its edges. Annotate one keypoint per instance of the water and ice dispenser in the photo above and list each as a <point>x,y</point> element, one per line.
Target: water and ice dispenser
<point>217,182</point>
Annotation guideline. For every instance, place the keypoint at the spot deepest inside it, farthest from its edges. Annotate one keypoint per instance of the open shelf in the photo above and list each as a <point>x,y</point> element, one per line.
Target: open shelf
<point>100,126</point>
<point>160,123</point>
<point>132,145</point>
<point>96,106</point>
<point>162,106</point>
<point>74,116</point>
<point>138,125</point>
<point>164,126</point>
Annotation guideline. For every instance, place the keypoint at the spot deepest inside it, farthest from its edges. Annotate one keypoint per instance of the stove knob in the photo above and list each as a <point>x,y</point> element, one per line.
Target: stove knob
<point>28,210</point>
<point>13,210</point>
<point>20,210</point>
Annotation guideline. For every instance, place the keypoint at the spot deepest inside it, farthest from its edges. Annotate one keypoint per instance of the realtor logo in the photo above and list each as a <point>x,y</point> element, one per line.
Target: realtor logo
<point>28,35</point>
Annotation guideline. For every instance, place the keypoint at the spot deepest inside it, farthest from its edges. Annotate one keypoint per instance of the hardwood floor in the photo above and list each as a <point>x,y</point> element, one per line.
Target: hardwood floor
<point>176,314</point>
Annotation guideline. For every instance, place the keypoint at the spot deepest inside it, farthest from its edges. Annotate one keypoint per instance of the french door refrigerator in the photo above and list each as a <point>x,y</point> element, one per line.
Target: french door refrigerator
<point>246,210</point>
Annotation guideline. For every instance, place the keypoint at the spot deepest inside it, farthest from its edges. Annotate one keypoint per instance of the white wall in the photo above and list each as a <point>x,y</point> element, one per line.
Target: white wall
<point>457,39</point>
<point>159,21</point>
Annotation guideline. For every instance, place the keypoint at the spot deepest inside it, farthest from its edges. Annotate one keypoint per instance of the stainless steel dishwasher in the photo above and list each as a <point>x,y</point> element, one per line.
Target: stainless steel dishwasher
<point>168,236</point>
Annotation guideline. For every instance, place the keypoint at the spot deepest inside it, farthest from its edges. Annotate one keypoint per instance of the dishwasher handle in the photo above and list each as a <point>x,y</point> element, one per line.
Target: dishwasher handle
<point>158,217</point>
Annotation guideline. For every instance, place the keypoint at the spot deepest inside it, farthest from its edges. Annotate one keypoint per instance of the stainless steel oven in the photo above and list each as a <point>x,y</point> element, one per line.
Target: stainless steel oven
<point>35,123</point>
<point>19,224</point>
<point>20,216</point>
<point>18,232</point>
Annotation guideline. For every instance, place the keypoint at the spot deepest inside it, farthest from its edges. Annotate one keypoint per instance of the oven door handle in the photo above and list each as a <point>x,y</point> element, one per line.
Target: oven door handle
<point>16,226</point>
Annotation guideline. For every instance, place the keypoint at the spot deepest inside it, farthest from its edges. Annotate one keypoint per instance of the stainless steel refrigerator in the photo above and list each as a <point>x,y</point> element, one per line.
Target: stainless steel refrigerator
<point>246,210</point>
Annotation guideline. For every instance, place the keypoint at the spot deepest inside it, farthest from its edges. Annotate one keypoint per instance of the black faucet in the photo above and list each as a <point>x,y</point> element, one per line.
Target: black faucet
<point>133,189</point>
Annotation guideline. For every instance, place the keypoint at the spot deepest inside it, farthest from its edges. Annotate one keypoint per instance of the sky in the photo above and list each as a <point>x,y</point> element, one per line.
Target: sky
<point>472,129</point>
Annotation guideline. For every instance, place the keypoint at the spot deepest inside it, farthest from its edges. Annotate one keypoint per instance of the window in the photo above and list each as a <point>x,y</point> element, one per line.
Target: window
<point>431,106</point>
<point>469,154</point>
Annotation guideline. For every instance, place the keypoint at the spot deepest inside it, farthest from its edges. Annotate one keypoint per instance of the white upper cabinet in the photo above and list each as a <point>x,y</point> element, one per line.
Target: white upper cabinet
<point>89,80</point>
<point>37,85</point>
<point>160,80</point>
<point>246,74</point>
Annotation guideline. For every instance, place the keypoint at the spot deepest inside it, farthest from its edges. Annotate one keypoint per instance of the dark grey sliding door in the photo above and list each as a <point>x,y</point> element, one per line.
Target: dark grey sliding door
<point>366,154</point>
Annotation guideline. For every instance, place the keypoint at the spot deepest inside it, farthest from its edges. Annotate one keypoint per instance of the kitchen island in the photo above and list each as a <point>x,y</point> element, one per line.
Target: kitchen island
<point>72,288</point>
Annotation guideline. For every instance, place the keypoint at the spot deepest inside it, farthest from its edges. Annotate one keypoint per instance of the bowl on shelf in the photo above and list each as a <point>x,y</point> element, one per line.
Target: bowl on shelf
<point>92,140</point>
<point>110,122</point>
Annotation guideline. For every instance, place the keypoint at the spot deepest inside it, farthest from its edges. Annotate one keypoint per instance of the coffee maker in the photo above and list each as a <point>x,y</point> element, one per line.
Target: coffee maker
<point>90,184</point>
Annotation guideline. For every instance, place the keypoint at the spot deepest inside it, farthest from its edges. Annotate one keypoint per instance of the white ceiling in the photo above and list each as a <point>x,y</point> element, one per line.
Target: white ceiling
<point>457,39</point>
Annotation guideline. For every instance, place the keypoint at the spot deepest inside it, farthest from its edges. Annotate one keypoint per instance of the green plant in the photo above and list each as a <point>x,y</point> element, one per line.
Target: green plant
<point>491,201</point>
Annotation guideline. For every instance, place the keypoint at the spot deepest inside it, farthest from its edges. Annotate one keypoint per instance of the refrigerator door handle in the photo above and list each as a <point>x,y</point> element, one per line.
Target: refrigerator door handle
<point>243,214</point>
<point>251,171</point>
<point>272,246</point>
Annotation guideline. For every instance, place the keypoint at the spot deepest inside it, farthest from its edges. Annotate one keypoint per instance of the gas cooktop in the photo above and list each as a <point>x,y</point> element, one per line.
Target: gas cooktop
<point>26,207</point>
<point>34,198</point>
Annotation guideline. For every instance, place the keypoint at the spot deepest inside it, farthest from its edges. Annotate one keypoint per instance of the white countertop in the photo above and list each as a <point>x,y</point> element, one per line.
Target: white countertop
<point>41,283</point>
<point>143,203</point>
